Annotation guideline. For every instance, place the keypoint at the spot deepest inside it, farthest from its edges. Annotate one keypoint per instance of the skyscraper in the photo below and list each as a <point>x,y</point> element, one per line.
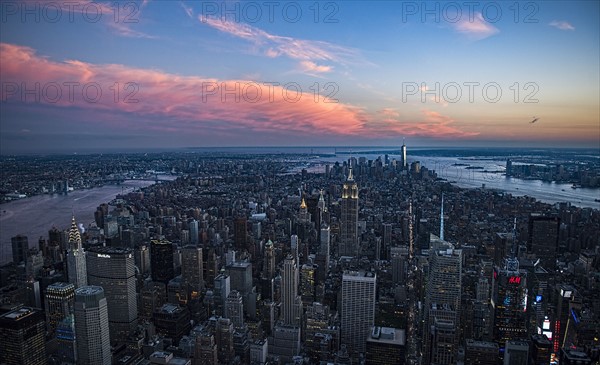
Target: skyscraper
<point>386,345</point>
<point>222,287</point>
<point>114,270</point>
<point>403,162</point>
<point>192,267</point>
<point>224,338</point>
<point>241,280</point>
<point>240,233</point>
<point>20,245</point>
<point>161,261</point>
<point>291,305</point>
<point>76,262</point>
<point>66,346</point>
<point>543,239</point>
<point>234,309</point>
<point>91,326</point>
<point>22,337</point>
<point>349,218</point>
<point>59,302</point>
<point>205,351</point>
<point>193,232</point>
<point>323,253</point>
<point>303,215</point>
<point>358,308</point>
<point>269,266</point>
<point>509,303</point>
<point>442,305</point>
<point>307,283</point>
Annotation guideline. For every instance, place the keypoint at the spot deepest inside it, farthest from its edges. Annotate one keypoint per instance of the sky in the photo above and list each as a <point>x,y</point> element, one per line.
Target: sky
<point>83,75</point>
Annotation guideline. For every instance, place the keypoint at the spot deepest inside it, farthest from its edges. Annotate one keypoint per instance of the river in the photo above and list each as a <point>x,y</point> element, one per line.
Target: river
<point>36,215</point>
<point>447,168</point>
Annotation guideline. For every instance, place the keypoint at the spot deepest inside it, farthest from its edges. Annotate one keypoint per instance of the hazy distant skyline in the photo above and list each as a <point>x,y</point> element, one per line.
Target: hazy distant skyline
<point>169,74</point>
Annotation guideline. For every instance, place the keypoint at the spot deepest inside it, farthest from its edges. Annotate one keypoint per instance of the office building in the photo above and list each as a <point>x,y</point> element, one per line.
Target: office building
<point>161,261</point>
<point>114,270</point>
<point>573,356</point>
<point>224,338</point>
<point>193,225</point>
<point>76,262</point>
<point>234,309</point>
<point>543,239</point>
<point>192,268</point>
<point>59,302</point>
<point>349,218</point>
<point>23,337</point>
<point>259,350</point>
<point>222,287</point>
<point>357,308</point>
<point>386,345</point>
<point>442,303</point>
<point>307,283</point>
<point>541,350</point>
<point>20,246</point>
<point>240,233</point>
<point>285,342</point>
<point>91,326</point>
<point>66,345</point>
<point>509,303</point>
<point>516,353</point>
<point>205,350</point>
<point>240,274</point>
<point>291,304</point>
<point>481,352</point>
<point>172,321</point>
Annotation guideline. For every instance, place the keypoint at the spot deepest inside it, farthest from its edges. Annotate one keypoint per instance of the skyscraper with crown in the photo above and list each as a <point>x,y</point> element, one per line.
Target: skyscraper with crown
<point>349,218</point>
<point>76,264</point>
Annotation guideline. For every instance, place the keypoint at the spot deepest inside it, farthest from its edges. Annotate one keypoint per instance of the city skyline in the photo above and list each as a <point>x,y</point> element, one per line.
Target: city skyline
<point>107,76</point>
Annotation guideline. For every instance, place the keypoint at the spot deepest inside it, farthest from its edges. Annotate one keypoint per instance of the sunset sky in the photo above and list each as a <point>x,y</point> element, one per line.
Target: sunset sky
<point>85,76</point>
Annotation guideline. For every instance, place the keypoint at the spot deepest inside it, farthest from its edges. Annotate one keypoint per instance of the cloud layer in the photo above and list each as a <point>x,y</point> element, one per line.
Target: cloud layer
<point>154,100</point>
<point>310,53</point>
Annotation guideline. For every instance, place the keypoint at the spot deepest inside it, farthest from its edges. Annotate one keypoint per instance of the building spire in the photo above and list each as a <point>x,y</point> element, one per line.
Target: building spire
<point>442,219</point>
<point>74,235</point>
<point>350,177</point>
<point>303,204</point>
<point>514,237</point>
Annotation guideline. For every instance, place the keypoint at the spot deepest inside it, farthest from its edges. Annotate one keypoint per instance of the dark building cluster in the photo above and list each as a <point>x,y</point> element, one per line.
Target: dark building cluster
<point>240,261</point>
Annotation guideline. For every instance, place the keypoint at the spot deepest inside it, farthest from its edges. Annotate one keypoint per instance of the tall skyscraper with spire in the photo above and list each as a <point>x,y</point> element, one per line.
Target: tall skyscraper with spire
<point>349,218</point>
<point>442,305</point>
<point>403,156</point>
<point>303,215</point>
<point>76,263</point>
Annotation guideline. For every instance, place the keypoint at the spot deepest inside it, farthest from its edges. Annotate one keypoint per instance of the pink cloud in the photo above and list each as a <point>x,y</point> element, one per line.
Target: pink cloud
<point>275,45</point>
<point>476,28</point>
<point>193,105</point>
<point>194,102</point>
<point>431,125</point>
<point>562,25</point>
<point>105,11</point>
<point>312,68</point>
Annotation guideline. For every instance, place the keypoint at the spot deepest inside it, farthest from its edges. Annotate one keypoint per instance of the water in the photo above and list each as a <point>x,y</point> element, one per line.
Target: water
<point>36,215</point>
<point>446,168</point>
